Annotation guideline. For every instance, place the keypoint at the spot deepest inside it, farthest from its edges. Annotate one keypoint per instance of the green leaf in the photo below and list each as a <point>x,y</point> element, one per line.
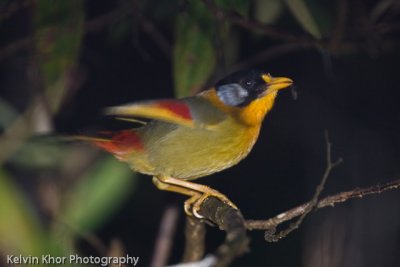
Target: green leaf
<point>227,39</point>
<point>194,53</point>
<point>196,32</point>
<point>120,30</point>
<point>39,153</point>
<point>7,114</point>
<point>20,231</point>
<point>268,11</point>
<point>58,36</point>
<point>239,6</point>
<point>381,8</point>
<point>303,15</point>
<point>98,194</point>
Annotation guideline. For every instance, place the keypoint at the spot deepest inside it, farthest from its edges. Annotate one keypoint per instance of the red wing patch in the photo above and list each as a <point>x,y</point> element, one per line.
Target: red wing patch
<point>122,143</point>
<point>179,108</point>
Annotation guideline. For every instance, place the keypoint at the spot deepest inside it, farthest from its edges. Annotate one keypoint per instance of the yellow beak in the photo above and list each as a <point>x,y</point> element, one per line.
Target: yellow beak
<point>276,83</point>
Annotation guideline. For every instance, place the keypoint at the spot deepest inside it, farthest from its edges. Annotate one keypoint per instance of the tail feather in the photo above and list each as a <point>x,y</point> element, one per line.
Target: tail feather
<point>90,139</point>
<point>118,143</point>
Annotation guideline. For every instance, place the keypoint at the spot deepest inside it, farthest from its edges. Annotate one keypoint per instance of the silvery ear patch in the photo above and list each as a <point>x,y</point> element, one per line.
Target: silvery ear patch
<point>232,94</point>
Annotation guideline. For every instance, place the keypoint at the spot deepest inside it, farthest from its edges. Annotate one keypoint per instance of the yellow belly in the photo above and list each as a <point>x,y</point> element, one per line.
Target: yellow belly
<point>187,153</point>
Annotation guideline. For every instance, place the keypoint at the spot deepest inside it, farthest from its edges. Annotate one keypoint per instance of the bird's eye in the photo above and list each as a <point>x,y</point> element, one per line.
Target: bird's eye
<point>232,94</point>
<point>249,83</point>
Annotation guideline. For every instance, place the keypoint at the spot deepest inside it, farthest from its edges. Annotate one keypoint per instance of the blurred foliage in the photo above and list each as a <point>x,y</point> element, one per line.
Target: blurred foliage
<point>20,228</point>
<point>303,15</point>
<point>38,153</point>
<point>98,194</point>
<point>8,114</point>
<point>268,11</point>
<point>195,52</point>
<point>58,34</point>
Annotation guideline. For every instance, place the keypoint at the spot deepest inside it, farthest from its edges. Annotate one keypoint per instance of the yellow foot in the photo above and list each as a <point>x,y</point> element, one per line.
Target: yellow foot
<point>192,205</point>
<point>197,192</point>
<point>188,205</point>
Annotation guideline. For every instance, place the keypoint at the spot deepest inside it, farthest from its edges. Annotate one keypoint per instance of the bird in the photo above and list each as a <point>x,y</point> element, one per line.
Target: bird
<point>180,140</point>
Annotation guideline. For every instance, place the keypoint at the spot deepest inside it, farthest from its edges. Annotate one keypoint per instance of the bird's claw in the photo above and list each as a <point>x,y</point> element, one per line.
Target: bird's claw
<point>192,205</point>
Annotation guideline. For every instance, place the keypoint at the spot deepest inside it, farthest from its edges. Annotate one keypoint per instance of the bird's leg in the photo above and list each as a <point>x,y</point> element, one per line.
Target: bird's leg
<point>181,190</point>
<point>198,193</point>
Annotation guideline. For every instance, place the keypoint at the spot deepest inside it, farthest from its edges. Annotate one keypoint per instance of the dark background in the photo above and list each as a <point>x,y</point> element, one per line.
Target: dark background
<point>352,91</point>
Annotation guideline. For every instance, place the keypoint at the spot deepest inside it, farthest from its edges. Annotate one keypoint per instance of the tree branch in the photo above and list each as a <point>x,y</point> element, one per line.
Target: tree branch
<point>231,221</point>
<point>274,52</point>
<point>98,24</point>
<point>340,24</point>
<point>195,233</point>
<point>271,224</point>
<point>270,234</point>
<point>165,237</point>
<point>328,201</point>
<point>249,24</point>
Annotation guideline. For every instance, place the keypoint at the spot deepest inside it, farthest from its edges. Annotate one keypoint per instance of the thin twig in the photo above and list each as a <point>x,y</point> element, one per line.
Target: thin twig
<point>67,232</point>
<point>7,10</point>
<point>340,25</point>
<point>95,25</point>
<point>14,47</point>
<point>328,201</point>
<point>151,30</point>
<point>249,24</point>
<point>165,237</point>
<point>91,26</point>
<point>274,52</point>
<point>158,38</point>
<point>270,234</point>
<point>388,28</point>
